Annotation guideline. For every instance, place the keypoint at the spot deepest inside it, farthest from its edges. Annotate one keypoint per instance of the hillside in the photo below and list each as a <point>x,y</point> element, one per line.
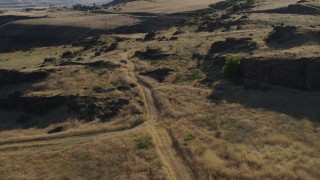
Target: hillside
<point>161,89</point>
<point>160,6</point>
<point>44,3</point>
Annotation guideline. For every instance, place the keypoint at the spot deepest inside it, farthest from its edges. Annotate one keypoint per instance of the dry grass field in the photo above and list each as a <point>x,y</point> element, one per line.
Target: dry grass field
<point>105,157</point>
<point>162,6</point>
<point>139,90</point>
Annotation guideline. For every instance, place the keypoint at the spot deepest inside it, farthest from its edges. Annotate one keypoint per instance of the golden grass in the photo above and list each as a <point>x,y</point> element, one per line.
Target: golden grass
<point>100,158</point>
<point>164,6</point>
<point>246,135</point>
<point>239,142</point>
<point>66,81</point>
<point>32,58</point>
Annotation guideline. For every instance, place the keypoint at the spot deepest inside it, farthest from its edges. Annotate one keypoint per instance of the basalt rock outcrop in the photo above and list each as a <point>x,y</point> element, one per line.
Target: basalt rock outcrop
<point>8,77</point>
<point>298,73</point>
<point>152,54</point>
<point>84,107</point>
<point>301,73</point>
<point>233,44</point>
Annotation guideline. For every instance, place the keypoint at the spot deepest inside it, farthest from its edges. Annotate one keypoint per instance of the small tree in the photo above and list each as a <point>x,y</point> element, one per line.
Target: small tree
<point>272,35</point>
<point>231,69</point>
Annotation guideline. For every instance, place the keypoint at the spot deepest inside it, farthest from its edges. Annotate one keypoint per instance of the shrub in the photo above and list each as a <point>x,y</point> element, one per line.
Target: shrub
<point>189,137</point>
<point>80,7</point>
<point>69,54</point>
<point>144,142</point>
<point>273,35</point>
<point>231,69</point>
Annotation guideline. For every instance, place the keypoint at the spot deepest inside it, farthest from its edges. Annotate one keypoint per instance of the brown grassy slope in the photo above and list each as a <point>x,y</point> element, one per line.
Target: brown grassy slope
<point>272,4</point>
<point>162,6</point>
<point>104,157</point>
<point>245,134</point>
<point>242,135</point>
<point>235,140</point>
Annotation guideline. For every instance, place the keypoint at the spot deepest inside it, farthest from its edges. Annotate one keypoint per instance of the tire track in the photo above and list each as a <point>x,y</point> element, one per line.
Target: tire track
<point>51,141</point>
<point>174,166</point>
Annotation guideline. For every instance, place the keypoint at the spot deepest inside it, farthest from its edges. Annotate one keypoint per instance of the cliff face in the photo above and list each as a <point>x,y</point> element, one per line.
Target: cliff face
<point>298,73</point>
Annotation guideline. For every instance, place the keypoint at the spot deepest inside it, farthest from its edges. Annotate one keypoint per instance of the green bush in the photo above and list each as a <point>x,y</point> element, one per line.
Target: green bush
<point>144,142</point>
<point>80,7</point>
<point>231,69</point>
<point>273,35</point>
<point>189,137</point>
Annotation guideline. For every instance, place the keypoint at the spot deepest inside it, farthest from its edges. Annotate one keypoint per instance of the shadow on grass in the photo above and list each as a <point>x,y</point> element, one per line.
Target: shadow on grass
<point>295,103</point>
<point>296,40</point>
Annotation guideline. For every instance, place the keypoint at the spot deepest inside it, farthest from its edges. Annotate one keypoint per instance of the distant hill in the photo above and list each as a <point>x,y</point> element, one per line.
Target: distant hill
<point>34,3</point>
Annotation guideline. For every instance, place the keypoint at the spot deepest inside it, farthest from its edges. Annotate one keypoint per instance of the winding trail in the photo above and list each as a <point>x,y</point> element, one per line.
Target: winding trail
<point>44,142</point>
<point>172,164</point>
